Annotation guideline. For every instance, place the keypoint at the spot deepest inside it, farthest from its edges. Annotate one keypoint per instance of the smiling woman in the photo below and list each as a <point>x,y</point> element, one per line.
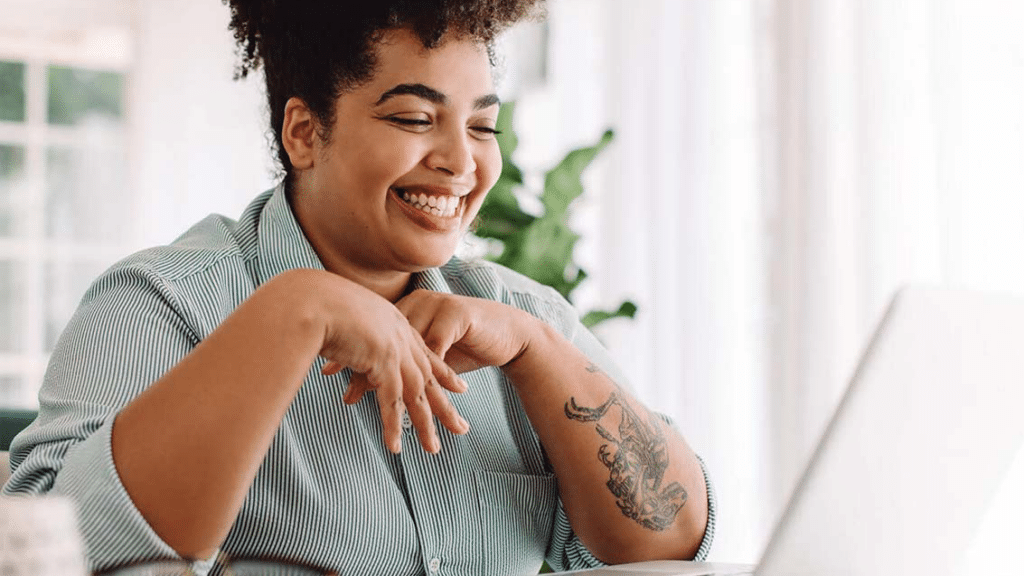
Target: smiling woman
<point>421,127</point>
<point>249,388</point>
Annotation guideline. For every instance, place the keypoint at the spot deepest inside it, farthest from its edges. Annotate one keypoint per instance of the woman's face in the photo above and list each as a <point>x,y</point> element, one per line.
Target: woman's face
<point>411,157</point>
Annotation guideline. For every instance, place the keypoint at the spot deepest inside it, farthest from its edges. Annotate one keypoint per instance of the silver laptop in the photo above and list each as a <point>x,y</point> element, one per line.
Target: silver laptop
<point>903,474</point>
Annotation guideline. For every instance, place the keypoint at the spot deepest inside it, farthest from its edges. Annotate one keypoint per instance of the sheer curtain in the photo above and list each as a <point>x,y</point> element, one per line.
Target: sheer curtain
<point>781,167</point>
<point>672,217</point>
<point>894,137</point>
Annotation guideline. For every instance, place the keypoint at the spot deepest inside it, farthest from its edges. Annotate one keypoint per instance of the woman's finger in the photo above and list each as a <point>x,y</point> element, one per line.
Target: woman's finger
<point>445,375</point>
<point>419,410</point>
<point>434,319</point>
<point>443,408</point>
<point>331,368</point>
<point>357,387</point>
<point>417,311</point>
<point>388,383</point>
<point>446,327</point>
<point>442,333</point>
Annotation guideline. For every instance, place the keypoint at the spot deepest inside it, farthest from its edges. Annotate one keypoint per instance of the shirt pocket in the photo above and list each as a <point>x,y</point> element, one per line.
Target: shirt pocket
<point>516,515</point>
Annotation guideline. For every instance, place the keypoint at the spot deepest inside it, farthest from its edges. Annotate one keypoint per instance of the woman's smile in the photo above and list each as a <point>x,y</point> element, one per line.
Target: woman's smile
<point>434,210</point>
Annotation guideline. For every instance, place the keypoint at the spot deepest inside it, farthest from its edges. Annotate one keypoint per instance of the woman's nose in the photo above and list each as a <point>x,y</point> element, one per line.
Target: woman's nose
<point>452,155</point>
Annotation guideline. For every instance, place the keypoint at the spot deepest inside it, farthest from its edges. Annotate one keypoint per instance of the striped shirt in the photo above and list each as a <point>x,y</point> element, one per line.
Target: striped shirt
<point>328,493</point>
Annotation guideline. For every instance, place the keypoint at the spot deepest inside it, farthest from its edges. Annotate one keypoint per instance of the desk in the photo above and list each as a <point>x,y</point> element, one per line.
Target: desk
<point>670,568</point>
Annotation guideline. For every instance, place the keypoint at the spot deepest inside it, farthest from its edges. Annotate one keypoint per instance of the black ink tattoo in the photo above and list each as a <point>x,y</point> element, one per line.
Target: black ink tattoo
<point>638,464</point>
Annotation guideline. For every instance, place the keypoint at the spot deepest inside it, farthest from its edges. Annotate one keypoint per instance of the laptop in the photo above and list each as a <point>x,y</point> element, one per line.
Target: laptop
<point>901,478</point>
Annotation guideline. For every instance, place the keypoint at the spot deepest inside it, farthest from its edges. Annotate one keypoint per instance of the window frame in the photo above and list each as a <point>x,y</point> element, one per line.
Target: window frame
<point>89,45</point>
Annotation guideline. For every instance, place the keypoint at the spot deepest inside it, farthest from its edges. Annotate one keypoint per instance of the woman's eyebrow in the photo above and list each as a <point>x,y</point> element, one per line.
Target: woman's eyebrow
<point>433,95</point>
<point>486,101</point>
<point>419,90</point>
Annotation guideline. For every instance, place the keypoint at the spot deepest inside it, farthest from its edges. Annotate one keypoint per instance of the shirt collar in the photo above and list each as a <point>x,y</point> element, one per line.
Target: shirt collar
<point>432,279</point>
<point>282,244</point>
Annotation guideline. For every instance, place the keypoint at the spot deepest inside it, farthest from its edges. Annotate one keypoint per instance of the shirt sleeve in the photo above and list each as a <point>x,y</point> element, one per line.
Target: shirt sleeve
<point>566,552</point>
<point>126,333</point>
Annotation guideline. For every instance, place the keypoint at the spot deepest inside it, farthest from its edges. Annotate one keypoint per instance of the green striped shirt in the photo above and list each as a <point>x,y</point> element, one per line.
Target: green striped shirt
<point>328,493</point>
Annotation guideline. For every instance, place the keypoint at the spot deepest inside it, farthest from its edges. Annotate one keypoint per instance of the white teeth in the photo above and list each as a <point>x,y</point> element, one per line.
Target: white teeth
<point>437,205</point>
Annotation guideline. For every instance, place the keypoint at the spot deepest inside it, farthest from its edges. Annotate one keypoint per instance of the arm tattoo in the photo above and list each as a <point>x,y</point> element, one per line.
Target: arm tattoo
<point>637,462</point>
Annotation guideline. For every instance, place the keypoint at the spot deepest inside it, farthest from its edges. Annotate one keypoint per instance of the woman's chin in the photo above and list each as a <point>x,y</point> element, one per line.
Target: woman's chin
<point>422,257</point>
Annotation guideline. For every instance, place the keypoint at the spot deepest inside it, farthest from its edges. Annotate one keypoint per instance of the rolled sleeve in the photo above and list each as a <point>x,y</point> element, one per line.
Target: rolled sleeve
<point>566,552</point>
<point>125,335</point>
<point>113,530</point>
<point>709,529</point>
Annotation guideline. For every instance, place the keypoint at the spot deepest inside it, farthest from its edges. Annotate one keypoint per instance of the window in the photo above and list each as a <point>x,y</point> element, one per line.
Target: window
<point>63,165</point>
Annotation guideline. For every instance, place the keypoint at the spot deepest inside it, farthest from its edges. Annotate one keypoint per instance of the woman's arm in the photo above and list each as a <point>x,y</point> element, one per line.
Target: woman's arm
<point>188,448</point>
<point>632,488</point>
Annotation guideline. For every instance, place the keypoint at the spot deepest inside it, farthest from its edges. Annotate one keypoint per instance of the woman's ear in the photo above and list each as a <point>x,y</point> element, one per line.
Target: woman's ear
<point>298,134</point>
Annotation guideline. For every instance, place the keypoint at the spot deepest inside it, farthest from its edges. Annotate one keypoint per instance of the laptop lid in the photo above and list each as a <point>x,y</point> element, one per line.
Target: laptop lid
<point>926,429</point>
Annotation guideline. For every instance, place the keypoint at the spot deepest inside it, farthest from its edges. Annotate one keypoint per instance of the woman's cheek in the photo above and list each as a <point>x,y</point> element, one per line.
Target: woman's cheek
<point>492,166</point>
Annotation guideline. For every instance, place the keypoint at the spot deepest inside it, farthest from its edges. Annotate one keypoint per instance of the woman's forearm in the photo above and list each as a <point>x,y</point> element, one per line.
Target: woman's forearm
<point>632,488</point>
<point>188,448</point>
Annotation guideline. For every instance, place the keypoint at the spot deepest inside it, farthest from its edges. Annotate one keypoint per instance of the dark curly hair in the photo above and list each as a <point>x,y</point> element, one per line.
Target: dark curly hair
<point>316,50</point>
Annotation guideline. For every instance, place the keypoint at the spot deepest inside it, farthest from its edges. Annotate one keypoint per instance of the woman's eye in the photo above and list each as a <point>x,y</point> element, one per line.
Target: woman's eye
<point>485,131</point>
<point>411,122</point>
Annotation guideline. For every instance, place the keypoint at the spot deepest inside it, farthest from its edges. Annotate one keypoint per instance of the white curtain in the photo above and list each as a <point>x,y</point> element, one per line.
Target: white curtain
<point>894,138</point>
<point>781,167</point>
<point>672,218</point>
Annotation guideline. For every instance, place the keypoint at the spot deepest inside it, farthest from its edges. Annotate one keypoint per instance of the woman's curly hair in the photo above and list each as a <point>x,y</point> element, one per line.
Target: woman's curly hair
<point>316,50</point>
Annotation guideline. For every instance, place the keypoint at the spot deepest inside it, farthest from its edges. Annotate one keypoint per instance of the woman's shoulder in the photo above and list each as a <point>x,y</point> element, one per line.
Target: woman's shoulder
<point>485,278</point>
<point>213,255</point>
<point>206,243</point>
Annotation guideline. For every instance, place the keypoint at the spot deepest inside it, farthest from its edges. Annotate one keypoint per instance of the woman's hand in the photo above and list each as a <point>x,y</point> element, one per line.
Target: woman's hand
<point>468,333</point>
<point>368,334</point>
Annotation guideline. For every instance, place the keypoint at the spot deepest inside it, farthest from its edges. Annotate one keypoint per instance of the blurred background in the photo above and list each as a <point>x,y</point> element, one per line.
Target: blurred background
<point>780,168</point>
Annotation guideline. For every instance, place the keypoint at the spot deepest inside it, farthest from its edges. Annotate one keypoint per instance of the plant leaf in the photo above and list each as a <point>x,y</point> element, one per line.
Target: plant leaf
<point>540,247</point>
<point>626,310</point>
<point>507,140</point>
<point>563,183</point>
<point>499,215</point>
<point>542,251</point>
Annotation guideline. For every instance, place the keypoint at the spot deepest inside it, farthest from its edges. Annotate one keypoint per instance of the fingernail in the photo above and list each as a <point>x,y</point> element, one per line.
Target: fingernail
<point>463,425</point>
<point>396,445</point>
<point>435,444</point>
<point>462,384</point>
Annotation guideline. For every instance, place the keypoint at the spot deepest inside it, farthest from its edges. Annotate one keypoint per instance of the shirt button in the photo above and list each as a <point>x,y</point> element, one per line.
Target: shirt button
<point>435,565</point>
<point>406,421</point>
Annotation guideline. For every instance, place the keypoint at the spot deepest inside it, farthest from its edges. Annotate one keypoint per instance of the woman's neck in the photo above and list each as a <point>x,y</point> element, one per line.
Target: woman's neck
<point>389,284</point>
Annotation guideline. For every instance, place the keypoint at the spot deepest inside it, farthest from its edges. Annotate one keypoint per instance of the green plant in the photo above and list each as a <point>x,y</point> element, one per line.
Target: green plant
<point>541,246</point>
